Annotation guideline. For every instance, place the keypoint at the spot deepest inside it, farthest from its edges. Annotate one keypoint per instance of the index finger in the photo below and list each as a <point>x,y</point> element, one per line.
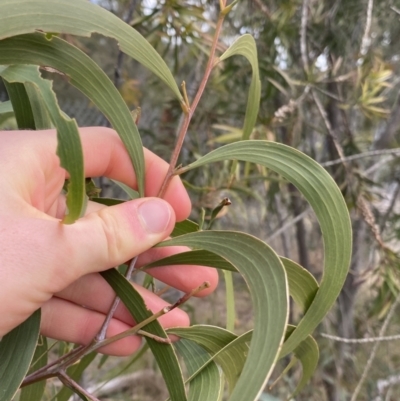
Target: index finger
<point>105,155</point>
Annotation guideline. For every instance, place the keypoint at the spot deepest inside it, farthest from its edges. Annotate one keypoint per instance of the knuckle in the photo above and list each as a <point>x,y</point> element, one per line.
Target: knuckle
<point>112,233</point>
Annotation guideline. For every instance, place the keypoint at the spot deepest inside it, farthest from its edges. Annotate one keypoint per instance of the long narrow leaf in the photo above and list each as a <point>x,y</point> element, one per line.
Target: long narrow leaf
<point>266,278</point>
<point>21,105</point>
<point>208,384</point>
<point>87,76</point>
<point>327,201</point>
<point>16,352</point>
<point>69,147</point>
<point>302,284</point>
<point>35,391</point>
<point>307,353</point>
<point>216,340</point>
<point>82,18</point>
<point>163,353</point>
<point>246,46</point>
<point>39,109</point>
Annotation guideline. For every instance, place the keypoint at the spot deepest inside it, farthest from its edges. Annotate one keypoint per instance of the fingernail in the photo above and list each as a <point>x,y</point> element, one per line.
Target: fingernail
<point>155,215</point>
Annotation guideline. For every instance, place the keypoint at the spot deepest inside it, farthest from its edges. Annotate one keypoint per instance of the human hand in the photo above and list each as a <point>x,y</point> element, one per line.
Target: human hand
<point>44,263</point>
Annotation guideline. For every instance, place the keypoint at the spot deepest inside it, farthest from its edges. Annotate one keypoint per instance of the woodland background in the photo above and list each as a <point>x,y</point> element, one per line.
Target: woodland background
<point>330,74</point>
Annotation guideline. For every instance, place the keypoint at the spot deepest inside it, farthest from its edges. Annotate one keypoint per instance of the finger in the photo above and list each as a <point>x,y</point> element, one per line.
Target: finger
<point>104,155</point>
<point>98,241</point>
<point>63,320</point>
<point>182,277</point>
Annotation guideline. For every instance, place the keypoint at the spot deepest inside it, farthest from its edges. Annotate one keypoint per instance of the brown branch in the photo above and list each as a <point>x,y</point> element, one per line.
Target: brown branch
<point>61,364</point>
<point>74,386</point>
<point>191,108</point>
<point>102,333</point>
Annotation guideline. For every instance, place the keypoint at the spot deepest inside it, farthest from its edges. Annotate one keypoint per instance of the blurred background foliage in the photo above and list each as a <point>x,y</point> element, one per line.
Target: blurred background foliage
<point>330,75</point>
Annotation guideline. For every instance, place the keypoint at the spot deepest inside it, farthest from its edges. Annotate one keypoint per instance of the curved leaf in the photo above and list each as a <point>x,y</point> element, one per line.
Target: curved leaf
<point>307,353</point>
<point>208,385</point>
<point>163,353</point>
<point>16,352</point>
<point>69,147</point>
<point>215,340</point>
<point>266,278</point>
<point>246,46</point>
<point>39,109</point>
<point>87,76</point>
<point>35,391</point>
<point>82,18</point>
<point>325,198</point>
<point>199,257</point>
<point>302,284</point>
<point>184,227</point>
<point>20,104</point>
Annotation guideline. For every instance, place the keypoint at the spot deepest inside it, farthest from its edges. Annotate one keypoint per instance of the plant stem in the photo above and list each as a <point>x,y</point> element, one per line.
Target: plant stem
<point>102,333</point>
<point>191,108</point>
<point>61,364</point>
<point>74,386</point>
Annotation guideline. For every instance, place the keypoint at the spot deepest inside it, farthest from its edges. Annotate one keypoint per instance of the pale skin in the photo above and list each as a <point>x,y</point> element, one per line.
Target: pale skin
<point>47,264</point>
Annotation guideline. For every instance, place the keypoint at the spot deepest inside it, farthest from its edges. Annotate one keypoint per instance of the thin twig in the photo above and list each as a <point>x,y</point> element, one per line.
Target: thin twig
<point>372,153</point>
<point>74,386</point>
<point>191,108</point>
<point>396,10</point>
<point>366,40</point>
<point>361,340</point>
<point>390,208</point>
<point>328,126</point>
<point>369,218</point>
<point>264,9</point>
<point>46,372</point>
<point>163,311</point>
<point>289,224</point>
<point>375,348</point>
<point>303,35</point>
<point>103,331</point>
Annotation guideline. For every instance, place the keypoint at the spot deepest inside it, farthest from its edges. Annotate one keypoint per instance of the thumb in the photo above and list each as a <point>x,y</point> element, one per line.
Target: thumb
<point>113,235</point>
